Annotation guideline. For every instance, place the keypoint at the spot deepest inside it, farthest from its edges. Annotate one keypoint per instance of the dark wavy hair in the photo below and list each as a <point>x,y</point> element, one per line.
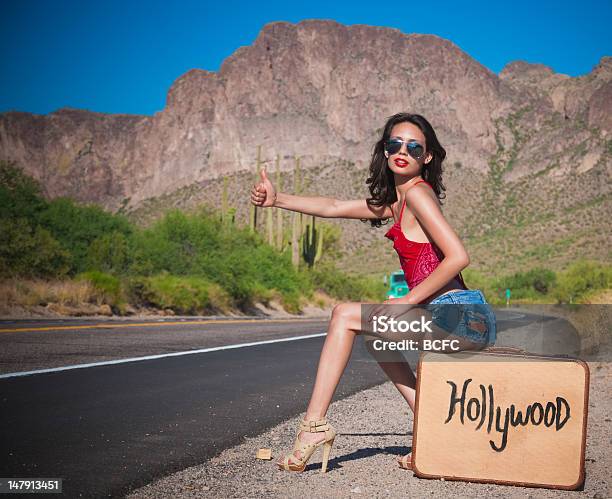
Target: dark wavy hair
<point>381,181</point>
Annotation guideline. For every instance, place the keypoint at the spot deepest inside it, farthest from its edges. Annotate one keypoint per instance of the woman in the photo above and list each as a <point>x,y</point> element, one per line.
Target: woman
<point>405,183</point>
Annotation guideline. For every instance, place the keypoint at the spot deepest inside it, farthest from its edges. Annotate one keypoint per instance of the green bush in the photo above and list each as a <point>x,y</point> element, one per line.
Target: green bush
<point>26,249</point>
<point>30,252</point>
<point>109,253</point>
<point>346,287</point>
<point>532,284</point>
<point>173,244</point>
<point>199,245</point>
<point>108,287</point>
<point>77,227</point>
<point>20,195</point>
<point>582,278</point>
<point>183,295</point>
<point>42,238</point>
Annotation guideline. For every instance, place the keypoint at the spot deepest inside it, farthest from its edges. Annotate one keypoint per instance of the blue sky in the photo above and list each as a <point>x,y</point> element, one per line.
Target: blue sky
<point>122,56</point>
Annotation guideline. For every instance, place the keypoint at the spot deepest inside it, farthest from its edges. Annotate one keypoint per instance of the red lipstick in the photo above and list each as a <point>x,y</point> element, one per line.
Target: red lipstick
<point>401,162</point>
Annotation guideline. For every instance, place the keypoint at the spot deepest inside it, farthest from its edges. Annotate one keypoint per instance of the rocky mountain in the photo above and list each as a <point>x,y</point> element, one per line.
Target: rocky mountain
<point>523,147</point>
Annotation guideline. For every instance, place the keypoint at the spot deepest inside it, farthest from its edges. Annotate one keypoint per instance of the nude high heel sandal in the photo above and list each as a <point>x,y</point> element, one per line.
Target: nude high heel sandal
<point>405,462</point>
<point>293,463</point>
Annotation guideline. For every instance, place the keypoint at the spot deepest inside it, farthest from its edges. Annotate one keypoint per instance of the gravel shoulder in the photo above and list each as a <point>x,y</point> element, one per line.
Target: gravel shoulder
<point>374,426</point>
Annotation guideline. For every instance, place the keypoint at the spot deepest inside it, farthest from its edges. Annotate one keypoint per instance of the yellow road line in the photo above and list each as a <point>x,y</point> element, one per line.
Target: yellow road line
<point>141,324</point>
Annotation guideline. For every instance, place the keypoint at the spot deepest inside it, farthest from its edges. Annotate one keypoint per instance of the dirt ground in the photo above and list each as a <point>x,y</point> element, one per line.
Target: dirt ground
<point>374,427</point>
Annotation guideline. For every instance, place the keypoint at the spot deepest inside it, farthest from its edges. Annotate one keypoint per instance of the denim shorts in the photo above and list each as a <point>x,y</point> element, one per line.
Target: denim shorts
<point>456,311</point>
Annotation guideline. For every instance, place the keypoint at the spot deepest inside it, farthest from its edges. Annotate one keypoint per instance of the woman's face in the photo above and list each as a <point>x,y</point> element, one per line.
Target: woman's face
<point>401,162</point>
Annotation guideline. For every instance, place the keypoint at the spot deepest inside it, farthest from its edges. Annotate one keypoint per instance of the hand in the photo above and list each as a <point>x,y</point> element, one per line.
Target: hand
<point>405,312</point>
<point>377,310</point>
<point>263,193</point>
<point>383,309</point>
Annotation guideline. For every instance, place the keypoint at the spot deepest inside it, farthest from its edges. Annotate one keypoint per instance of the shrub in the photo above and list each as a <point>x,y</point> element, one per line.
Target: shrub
<point>199,245</point>
<point>108,288</point>
<point>30,252</point>
<point>41,238</point>
<point>581,278</point>
<point>532,284</point>
<point>346,287</point>
<point>20,195</point>
<point>77,227</point>
<point>183,295</point>
<point>109,253</point>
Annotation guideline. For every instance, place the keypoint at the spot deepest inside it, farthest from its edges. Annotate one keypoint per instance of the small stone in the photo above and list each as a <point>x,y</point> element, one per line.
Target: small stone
<point>105,310</point>
<point>264,454</point>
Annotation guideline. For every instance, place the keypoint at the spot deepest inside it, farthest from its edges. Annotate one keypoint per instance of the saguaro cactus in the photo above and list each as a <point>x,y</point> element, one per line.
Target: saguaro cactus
<point>231,216</point>
<point>270,226</point>
<point>228,215</point>
<point>224,209</point>
<point>312,244</point>
<point>296,229</point>
<point>279,212</point>
<point>252,207</point>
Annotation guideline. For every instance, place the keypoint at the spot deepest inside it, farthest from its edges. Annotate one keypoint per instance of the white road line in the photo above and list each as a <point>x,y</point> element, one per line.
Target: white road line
<point>160,356</point>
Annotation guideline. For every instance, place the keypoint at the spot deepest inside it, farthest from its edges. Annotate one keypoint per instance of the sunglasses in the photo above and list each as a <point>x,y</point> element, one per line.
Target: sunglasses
<point>393,146</point>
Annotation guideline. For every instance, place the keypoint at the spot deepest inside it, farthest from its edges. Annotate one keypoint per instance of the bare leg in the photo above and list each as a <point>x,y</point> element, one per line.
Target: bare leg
<point>344,326</point>
<point>403,378</point>
<point>398,371</point>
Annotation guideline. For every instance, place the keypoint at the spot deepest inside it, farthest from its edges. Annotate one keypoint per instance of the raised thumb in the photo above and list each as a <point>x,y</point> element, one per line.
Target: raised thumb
<point>263,174</point>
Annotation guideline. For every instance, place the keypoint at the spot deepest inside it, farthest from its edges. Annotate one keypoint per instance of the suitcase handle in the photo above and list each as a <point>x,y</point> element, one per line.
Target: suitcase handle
<point>520,351</point>
<point>504,350</point>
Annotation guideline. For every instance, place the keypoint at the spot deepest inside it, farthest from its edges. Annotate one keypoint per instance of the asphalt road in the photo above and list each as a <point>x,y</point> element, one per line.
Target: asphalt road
<point>107,429</point>
<point>110,428</point>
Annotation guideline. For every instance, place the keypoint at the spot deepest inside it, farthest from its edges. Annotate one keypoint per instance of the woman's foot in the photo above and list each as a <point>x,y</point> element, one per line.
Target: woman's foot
<point>306,438</point>
<point>405,462</point>
<point>307,442</point>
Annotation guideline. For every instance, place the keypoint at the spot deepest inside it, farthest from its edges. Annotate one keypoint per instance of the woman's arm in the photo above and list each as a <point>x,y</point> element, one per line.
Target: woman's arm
<point>331,208</point>
<point>430,216</point>
<point>265,195</point>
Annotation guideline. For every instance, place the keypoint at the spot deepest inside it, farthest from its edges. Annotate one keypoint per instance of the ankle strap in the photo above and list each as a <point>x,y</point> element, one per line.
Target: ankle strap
<point>314,426</point>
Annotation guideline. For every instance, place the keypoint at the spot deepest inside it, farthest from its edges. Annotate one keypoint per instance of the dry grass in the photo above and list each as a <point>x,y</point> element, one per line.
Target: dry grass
<point>35,297</point>
<point>219,298</point>
<point>73,297</point>
<point>323,300</point>
<point>603,297</point>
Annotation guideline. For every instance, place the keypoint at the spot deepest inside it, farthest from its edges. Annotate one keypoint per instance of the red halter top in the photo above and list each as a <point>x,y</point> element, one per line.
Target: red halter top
<point>417,260</point>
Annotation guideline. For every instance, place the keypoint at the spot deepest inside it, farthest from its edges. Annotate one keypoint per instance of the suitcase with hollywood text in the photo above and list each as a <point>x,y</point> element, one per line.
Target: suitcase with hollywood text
<point>501,416</point>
